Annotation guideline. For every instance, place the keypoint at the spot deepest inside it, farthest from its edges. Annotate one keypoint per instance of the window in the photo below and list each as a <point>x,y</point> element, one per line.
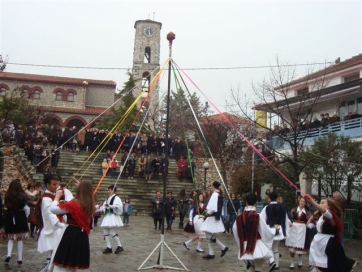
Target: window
<point>25,93</point>
<point>36,94</point>
<point>342,109</point>
<point>59,96</point>
<point>359,105</point>
<point>302,91</point>
<point>70,97</point>
<point>147,58</point>
<point>351,77</point>
<point>351,106</point>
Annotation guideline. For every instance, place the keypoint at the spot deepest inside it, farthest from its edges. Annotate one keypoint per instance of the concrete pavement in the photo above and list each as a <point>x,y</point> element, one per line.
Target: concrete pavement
<point>139,239</point>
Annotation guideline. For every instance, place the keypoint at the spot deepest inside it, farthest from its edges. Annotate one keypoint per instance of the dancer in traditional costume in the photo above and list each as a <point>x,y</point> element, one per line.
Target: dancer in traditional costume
<point>298,240</point>
<point>49,232</point>
<point>112,209</point>
<point>253,236</point>
<point>275,214</point>
<point>16,224</point>
<point>197,209</point>
<point>326,251</point>
<point>73,251</point>
<point>212,223</point>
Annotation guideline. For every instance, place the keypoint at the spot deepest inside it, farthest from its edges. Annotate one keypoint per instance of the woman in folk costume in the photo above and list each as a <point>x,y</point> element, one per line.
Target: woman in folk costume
<point>253,236</point>
<point>212,223</point>
<point>73,251</point>
<point>197,209</point>
<point>16,225</point>
<point>112,209</point>
<point>326,251</point>
<point>276,214</point>
<point>298,240</point>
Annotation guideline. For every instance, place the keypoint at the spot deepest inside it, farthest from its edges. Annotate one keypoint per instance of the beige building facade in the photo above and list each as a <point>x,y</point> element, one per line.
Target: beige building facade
<point>69,101</point>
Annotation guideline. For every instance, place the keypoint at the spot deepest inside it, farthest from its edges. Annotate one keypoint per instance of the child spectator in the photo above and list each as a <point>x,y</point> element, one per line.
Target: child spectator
<point>127,211</point>
<point>104,166</point>
<point>114,165</point>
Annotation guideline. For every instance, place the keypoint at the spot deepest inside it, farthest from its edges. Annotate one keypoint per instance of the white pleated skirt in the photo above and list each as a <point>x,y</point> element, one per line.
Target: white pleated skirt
<point>197,225</point>
<point>212,225</point>
<point>261,251</point>
<point>50,241</point>
<point>112,221</point>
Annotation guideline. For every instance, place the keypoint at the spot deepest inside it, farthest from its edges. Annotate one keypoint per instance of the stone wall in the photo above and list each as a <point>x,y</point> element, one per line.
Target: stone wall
<point>12,168</point>
<point>211,174</point>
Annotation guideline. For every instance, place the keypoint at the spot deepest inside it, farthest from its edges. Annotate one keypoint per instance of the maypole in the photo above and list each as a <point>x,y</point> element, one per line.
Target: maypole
<point>170,37</point>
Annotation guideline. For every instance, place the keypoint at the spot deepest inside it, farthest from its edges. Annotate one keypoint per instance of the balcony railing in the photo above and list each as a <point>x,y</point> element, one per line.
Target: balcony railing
<point>351,128</point>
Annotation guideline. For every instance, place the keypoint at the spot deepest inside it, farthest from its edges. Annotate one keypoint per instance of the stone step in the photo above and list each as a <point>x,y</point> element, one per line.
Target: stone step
<point>140,191</point>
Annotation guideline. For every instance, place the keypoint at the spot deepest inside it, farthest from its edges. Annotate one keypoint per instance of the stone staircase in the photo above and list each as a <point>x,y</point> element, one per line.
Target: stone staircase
<point>140,191</point>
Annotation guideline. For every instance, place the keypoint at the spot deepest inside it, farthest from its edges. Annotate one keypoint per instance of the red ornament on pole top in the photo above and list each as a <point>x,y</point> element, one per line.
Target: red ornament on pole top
<point>170,37</point>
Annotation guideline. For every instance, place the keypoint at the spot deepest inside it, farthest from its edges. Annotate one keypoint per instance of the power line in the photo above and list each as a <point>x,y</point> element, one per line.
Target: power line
<point>195,69</point>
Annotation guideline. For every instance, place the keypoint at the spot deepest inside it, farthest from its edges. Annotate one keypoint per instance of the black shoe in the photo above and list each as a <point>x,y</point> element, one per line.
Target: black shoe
<point>20,262</point>
<point>213,240</point>
<point>209,257</point>
<point>7,259</point>
<point>248,265</point>
<point>300,266</point>
<point>272,266</point>
<point>185,246</point>
<point>200,250</point>
<point>224,251</point>
<point>107,250</point>
<point>118,250</point>
<point>291,267</point>
<point>276,268</point>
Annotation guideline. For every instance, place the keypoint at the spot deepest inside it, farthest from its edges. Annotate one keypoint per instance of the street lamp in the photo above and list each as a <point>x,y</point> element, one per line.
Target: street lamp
<point>206,167</point>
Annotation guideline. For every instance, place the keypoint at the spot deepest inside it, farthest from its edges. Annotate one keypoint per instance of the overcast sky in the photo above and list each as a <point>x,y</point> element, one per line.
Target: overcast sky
<point>209,34</point>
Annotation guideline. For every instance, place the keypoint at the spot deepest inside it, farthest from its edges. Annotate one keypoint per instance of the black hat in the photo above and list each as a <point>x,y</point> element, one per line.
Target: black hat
<point>216,184</point>
<point>251,199</point>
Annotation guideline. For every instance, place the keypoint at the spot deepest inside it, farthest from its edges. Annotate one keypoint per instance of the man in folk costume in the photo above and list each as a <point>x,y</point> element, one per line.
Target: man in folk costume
<point>275,215</point>
<point>50,231</point>
<point>212,223</point>
<point>113,209</point>
<point>253,236</point>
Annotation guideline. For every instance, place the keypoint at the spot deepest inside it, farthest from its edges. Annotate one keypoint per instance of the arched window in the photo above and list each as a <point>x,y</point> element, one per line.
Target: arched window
<point>70,97</point>
<point>59,96</point>
<point>25,93</point>
<point>36,94</point>
<point>146,80</point>
<point>147,58</point>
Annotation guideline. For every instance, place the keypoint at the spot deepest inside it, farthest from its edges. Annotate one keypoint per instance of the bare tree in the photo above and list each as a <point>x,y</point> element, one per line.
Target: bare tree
<point>292,109</point>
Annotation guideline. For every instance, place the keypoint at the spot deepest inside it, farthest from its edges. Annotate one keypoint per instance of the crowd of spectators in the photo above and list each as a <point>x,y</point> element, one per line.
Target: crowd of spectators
<point>37,141</point>
<point>315,124</point>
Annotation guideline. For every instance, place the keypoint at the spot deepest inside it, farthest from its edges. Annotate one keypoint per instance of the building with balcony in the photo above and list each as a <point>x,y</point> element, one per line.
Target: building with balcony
<point>335,91</point>
<point>304,109</point>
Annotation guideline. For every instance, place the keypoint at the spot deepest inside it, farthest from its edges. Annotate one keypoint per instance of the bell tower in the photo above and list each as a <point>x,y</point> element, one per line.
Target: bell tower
<point>146,56</point>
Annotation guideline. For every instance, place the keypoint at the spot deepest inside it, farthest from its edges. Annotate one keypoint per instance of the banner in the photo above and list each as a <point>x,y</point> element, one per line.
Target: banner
<point>260,118</point>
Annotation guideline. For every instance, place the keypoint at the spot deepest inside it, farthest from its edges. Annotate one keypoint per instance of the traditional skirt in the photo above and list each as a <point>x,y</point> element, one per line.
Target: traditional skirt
<point>73,250</point>
<point>16,224</point>
<point>112,220</point>
<point>261,251</point>
<point>212,225</point>
<point>327,254</point>
<point>198,221</point>
<point>280,236</point>
<point>298,238</point>
<point>49,241</point>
